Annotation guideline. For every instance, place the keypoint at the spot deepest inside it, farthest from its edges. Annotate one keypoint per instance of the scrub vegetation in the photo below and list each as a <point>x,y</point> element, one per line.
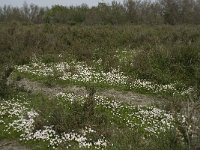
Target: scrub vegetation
<point>123,48</point>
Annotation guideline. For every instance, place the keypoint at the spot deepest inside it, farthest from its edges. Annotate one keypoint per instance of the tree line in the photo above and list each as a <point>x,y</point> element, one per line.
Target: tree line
<point>129,12</point>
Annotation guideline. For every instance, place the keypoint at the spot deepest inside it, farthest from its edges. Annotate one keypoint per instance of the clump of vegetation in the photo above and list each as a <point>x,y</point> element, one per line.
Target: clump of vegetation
<point>4,88</point>
<point>129,12</point>
<point>162,54</point>
<point>70,116</point>
<point>62,122</point>
<point>118,50</point>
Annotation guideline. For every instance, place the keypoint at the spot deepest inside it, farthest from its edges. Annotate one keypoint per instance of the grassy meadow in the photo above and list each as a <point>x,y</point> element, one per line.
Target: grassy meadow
<point>161,61</point>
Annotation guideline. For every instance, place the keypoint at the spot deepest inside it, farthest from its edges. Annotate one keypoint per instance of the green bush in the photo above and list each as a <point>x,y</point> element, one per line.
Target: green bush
<point>163,54</point>
<point>66,116</point>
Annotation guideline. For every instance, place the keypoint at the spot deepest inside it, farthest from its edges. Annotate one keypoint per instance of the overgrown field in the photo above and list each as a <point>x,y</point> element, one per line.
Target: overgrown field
<point>66,122</point>
<point>79,73</point>
<point>161,61</point>
<point>163,54</point>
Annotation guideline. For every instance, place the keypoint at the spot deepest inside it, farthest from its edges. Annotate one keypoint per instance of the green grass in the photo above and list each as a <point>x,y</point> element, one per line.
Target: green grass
<point>50,81</point>
<point>108,120</point>
<point>161,54</point>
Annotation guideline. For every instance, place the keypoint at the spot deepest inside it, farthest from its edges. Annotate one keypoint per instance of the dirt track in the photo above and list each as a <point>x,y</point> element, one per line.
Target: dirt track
<point>123,96</point>
<point>11,145</point>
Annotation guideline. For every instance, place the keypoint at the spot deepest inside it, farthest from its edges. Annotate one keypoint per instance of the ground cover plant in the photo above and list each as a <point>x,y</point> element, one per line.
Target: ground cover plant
<point>81,74</point>
<point>63,123</point>
<point>158,60</point>
<point>162,54</point>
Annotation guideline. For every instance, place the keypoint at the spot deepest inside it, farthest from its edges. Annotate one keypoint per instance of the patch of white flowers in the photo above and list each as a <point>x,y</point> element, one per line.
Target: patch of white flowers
<point>151,119</point>
<point>70,97</point>
<point>159,88</point>
<point>22,120</point>
<point>81,72</point>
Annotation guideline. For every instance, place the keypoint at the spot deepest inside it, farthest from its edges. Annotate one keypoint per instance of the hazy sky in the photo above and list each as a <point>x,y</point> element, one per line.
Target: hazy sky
<point>53,2</point>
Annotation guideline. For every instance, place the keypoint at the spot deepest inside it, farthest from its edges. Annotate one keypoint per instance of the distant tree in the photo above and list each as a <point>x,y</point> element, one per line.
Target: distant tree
<point>105,13</point>
<point>78,14</point>
<point>187,10</point>
<point>196,14</point>
<point>132,10</point>
<point>36,14</point>
<point>93,16</point>
<point>26,11</point>
<point>118,13</point>
<point>1,14</point>
<point>56,14</point>
<point>170,11</point>
<point>150,13</point>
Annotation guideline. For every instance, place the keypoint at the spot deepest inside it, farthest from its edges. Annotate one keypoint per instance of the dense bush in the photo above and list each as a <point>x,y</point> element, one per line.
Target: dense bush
<point>115,13</point>
<point>66,116</point>
<point>4,74</point>
<point>160,53</point>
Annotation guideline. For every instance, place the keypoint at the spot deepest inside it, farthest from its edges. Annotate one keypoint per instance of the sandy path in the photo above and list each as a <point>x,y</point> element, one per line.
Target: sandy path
<point>11,145</point>
<point>128,97</point>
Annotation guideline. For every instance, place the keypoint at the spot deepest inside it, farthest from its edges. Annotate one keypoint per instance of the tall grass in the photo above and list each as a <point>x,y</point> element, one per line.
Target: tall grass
<point>163,54</point>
